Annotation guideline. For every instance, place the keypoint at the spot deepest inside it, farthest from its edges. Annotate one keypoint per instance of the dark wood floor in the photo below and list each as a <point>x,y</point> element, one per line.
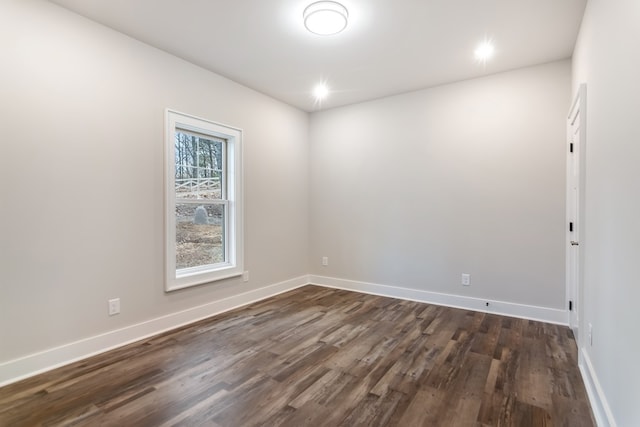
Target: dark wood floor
<point>321,357</point>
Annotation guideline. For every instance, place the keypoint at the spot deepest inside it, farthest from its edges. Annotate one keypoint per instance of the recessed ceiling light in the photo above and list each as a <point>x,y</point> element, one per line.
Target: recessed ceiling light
<point>484,51</point>
<point>320,91</point>
<point>325,17</point>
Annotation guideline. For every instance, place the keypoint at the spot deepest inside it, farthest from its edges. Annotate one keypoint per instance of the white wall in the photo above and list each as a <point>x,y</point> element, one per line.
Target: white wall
<point>607,58</point>
<point>415,189</point>
<point>81,178</point>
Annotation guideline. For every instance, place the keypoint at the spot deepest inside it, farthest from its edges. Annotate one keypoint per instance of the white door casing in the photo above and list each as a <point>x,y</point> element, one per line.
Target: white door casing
<point>575,200</point>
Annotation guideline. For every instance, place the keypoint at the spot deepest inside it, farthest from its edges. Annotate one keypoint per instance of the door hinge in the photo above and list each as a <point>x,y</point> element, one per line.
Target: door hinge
<point>570,305</point>
<point>571,226</point>
<point>571,147</point>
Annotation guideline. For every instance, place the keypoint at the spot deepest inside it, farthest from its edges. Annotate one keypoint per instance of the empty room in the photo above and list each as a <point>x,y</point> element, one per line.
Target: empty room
<point>319,213</point>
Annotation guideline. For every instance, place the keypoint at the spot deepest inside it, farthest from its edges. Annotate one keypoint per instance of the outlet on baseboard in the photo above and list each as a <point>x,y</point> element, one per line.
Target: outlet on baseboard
<point>466,279</point>
<point>325,260</point>
<point>114,306</point>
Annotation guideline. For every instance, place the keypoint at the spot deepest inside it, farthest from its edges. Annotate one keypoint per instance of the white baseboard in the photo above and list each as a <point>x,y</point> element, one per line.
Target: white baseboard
<point>601,409</point>
<point>33,364</point>
<point>36,363</point>
<point>543,314</point>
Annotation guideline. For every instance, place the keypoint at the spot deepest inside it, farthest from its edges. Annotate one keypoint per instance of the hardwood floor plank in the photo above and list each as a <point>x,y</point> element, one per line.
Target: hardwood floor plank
<point>425,406</point>
<point>321,357</point>
<point>375,410</point>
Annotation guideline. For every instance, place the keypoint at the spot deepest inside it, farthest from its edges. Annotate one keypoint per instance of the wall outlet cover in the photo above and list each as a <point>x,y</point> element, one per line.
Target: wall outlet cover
<point>114,306</point>
<point>466,279</point>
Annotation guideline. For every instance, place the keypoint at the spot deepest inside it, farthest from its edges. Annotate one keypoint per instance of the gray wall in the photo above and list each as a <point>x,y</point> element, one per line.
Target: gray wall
<point>415,189</point>
<point>607,58</point>
<point>81,178</point>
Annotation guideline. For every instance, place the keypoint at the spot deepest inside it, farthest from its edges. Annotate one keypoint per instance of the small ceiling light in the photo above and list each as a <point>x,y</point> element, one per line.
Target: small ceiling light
<point>484,51</point>
<point>325,18</point>
<point>320,91</point>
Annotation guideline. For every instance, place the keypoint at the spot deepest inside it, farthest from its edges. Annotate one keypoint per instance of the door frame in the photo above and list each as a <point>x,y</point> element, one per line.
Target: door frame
<point>575,212</point>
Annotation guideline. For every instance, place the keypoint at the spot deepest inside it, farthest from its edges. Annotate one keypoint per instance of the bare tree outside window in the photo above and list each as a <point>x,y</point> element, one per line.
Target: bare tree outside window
<point>199,176</point>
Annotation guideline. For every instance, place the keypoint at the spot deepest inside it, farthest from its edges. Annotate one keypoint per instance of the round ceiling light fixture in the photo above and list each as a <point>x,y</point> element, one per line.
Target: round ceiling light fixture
<point>325,18</point>
<point>484,51</point>
<point>320,91</point>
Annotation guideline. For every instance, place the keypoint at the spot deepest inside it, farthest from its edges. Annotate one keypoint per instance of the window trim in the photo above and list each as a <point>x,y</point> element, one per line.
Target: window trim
<point>234,229</point>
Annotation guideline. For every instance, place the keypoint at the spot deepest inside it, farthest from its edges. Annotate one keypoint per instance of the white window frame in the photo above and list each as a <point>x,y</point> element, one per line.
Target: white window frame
<point>234,236</point>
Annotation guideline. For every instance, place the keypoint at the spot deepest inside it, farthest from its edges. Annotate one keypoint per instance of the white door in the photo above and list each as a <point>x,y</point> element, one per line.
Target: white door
<point>575,147</point>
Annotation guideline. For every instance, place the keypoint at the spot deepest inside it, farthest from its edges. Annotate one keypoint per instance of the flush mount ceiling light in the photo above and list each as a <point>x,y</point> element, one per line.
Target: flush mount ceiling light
<point>325,18</point>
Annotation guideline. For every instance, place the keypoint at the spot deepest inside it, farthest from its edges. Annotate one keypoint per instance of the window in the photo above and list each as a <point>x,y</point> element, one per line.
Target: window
<point>203,201</point>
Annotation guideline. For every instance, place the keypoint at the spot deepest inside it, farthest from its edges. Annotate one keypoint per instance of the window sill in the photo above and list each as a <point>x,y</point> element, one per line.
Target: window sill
<point>201,278</point>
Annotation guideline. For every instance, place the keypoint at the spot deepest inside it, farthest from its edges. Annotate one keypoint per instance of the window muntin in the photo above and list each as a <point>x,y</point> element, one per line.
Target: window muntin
<point>203,201</point>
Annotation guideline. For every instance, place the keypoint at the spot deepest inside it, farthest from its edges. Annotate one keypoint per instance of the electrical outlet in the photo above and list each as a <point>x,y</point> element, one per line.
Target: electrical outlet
<point>114,306</point>
<point>590,334</point>
<point>245,276</point>
<point>466,279</point>
<point>325,261</point>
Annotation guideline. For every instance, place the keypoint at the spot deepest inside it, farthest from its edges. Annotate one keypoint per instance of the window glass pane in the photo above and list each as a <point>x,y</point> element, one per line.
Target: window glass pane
<point>199,234</point>
<point>199,166</point>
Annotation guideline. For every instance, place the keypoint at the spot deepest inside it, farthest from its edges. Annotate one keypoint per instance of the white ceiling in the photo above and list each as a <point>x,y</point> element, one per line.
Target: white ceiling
<point>389,47</point>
